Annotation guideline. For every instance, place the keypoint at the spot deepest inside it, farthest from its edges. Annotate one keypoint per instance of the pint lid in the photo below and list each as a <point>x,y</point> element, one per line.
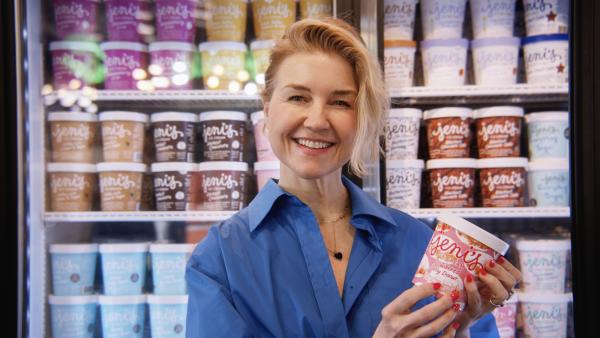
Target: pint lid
<point>58,167</point>
<point>497,41</point>
<point>262,44</point>
<point>122,300</point>
<point>545,298</point>
<point>549,164</point>
<point>136,46</point>
<point>173,166</point>
<point>547,116</point>
<point>223,115</point>
<point>72,116</point>
<point>503,162</point>
<point>257,116</point>
<point>418,164</point>
<point>451,163</point>
<point>123,247</point>
<point>171,45</point>
<point>123,116</point>
<point>155,299</point>
<point>545,38</point>
<point>476,232</point>
<point>121,166</point>
<point>267,165</point>
<point>222,45</point>
<point>74,248</point>
<point>498,111</point>
<point>445,43</point>
<point>173,116</point>
<point>222,165</point>
<point>91,47</point>
<point>72,300</point>
<point>172,248</point>
<point>448,112</point>
<point>544,245</point>
<point>399,44</point>
<point>406,112</point>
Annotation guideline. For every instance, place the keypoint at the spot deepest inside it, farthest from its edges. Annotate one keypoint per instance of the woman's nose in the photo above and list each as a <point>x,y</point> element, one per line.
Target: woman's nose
<point>316,117</point>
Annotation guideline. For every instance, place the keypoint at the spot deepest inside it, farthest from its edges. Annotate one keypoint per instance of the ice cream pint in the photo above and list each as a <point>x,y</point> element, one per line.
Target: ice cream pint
<point>168,315</point>
<point>442,19</point>
<point>265,171</point>
<point>452,182</point>
<point>272,17</point>
<point>223,65</point>
<point>219,186</point>
<point>261,139</point>
<point>120,185</point>
<point>448,132</point>
<point>547,58</point>
<point>548,182</point>
<point>73,268</point>
<point>172,182</point>
<point>72,186</point>
<point>73,316</point>
<point>506,317</point>
<point>120,61</point>
<point>176,20</point>
<point>498,131</point>
<point>226,20</point>
<point>224,135</point>
<point>492,18</point>
<point>123,136</point>
<point>444,62</point>
<point>75,64</point>
<point>72,136</point>
<point>543,264</point>
<point>548,135</point>
<point>174,136</point>
<point>168,267</point>
<point>503,181</point>
<point>173,62</point>
<point>496,60</point>
<point>76,19</point>
<point>261,53</point>
<point>315,8</point>
<point>546,17</point>
<point>402,133</point>
<point>545,315</point>
<point>403,183</point>
<point>399,63</point>
<point>126,19</point>
<point>458,248</point>
<point>399,19</point>
<point>123,316</point>
<point>123,268</point>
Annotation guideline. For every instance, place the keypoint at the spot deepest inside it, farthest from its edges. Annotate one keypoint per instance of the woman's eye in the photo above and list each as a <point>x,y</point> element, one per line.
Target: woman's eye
<point>342,103</point>
<point>296,98</point>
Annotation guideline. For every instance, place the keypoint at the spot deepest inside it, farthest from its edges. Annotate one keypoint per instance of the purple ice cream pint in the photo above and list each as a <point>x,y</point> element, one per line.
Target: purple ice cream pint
<point>76,19</point>
<point>74,60</point>
<point>175,62</point>
<point>125,19</point>
<point>120,61</point>
<point>175,20</point>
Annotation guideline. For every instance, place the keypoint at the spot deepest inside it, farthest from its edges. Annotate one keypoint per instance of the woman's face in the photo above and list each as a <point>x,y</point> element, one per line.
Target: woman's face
<point>311,117</point>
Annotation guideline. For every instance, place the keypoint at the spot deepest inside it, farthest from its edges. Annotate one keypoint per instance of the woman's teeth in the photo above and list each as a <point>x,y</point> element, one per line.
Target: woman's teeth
<point>313,144</point>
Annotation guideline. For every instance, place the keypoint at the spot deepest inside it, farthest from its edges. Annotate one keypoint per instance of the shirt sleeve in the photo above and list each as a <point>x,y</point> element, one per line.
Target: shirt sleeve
<point>210,311</point>
<point>485,327</point>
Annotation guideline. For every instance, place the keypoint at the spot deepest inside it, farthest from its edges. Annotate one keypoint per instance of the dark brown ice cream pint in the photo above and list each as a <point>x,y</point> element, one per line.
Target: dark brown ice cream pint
<point>224,135</point>
<point>172,182</point>
<point>72,186</point>
<point>503,181</point>
<point>452,182</point>
<point>219,186</point>
<point>448,132</point>
<point>174,136</point>
<point>499,131</point>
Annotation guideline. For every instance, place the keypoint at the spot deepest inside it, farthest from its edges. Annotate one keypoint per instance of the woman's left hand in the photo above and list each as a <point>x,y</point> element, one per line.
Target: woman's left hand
<point>497,281</point>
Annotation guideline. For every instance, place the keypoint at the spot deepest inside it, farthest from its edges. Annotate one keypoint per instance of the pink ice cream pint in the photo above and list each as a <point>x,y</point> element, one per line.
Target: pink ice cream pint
<point>76,19</point>
<point>506,317</point>
<point>124,18</point>
<point>457,248</point>
<point>120,61</point>
<point>175,20</point>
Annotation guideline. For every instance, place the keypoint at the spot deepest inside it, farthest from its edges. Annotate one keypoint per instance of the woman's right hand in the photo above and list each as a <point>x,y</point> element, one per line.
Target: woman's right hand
<point>397,320</point>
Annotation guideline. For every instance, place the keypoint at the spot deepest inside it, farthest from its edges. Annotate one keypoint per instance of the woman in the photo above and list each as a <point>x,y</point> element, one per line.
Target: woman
<point>313,255</point>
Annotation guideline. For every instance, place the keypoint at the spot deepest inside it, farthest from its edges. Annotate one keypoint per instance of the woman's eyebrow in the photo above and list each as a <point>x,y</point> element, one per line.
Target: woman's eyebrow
<point>339,92</point>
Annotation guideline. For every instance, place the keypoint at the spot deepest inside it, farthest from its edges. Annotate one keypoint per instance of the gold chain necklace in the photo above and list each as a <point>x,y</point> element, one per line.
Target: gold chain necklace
<point>336,254</point>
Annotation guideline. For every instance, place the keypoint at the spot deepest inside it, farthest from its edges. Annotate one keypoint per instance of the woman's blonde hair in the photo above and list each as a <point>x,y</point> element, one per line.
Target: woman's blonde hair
<point>372,102</point>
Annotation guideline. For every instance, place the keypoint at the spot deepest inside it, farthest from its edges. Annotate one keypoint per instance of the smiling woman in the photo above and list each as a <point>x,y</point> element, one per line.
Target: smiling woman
<point>313,255</point>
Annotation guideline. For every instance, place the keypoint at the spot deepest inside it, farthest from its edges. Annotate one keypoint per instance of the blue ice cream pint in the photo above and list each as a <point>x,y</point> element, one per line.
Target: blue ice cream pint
<point>168,315</point>
<point>123,268</point>
<point>168,267</point>
<point>122,316</point>
<point>73,316</point>
<point>73,268</point>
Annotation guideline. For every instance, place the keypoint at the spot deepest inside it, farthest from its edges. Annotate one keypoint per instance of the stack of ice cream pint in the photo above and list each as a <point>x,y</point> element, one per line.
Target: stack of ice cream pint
<point>495,51</point>
<point>152,44</point>
<point>125,307</point>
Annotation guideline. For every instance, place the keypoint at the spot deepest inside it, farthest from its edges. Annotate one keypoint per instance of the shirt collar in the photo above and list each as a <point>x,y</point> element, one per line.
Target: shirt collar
<point>362,204</point>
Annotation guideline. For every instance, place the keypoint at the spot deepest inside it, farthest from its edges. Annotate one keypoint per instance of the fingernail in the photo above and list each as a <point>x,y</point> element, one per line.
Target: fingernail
<point>437,286</point>
<point>469,279</point>
<point>456,307</point>
<point>454,295</point>
<point>482,272</point>
<point>491,264</point>
<point>500,260</point>
<point>455,325</point>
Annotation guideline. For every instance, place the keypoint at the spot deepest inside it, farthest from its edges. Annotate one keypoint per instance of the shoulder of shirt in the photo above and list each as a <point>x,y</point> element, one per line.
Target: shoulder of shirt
<point>408,222</point>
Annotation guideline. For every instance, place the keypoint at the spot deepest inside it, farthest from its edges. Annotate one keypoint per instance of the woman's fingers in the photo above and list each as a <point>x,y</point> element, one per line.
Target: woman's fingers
<point>450,331</point>
<point>409,298</point>
<point>503,262</point>
<point>474,301</point>
<point>498,293</point>
<point>430,311</point>
<point>503,275</point>
<point>436,325</point>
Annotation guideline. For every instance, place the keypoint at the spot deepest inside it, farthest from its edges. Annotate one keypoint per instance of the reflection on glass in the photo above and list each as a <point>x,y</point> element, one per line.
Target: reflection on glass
<point>155,69</point>
<point>179,66</point>
<point>84,101</point>
<point>260,79</point>
<point>145,85</point>
<point>212,82</point>
<point>251,88</point>
<point>139,74</point>
<point>47,89</point>
<point>160,82</point>
<point>243,75</point>
<point>218,70</point>
<point>180,79</point>
<point>92,109</point>
<point>234,86</point>
<point>68,100</point>
<point>75,84</point>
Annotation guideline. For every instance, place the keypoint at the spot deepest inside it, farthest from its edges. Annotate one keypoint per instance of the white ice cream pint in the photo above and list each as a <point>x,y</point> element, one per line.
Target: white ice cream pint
<point>403,183</point>
<point>399,19</point>
<point>543,264</point>
<point>548,134</point>
<point>492,18</point>
<point>496,60</point>
<point>547,58</point>
<point>402,133</point>
<point>548,182</point>
<point>265,171</point>
<point>444,62</point>
<point>546,17</point>
<point>399,63</point>
<point>545,315</point>
<point>442,19</point>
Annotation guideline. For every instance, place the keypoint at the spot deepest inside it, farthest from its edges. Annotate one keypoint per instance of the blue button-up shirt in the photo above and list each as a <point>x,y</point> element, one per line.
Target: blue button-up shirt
<point>265,272</point>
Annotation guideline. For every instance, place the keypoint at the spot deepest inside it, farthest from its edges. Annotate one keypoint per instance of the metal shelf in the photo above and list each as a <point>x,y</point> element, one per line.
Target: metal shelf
<point>138,216</point>
<point>522,212</point>
<point>472,94</point>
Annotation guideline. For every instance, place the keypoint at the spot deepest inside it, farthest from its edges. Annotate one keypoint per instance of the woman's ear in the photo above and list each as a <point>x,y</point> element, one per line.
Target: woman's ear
<point>266,113</point>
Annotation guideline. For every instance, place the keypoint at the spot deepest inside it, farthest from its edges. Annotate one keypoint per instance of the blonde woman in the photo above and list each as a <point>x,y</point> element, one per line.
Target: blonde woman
<point>313,255</point>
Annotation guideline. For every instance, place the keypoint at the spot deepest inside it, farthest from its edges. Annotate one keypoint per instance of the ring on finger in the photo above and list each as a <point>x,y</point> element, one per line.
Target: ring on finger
<point>496,305</point>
